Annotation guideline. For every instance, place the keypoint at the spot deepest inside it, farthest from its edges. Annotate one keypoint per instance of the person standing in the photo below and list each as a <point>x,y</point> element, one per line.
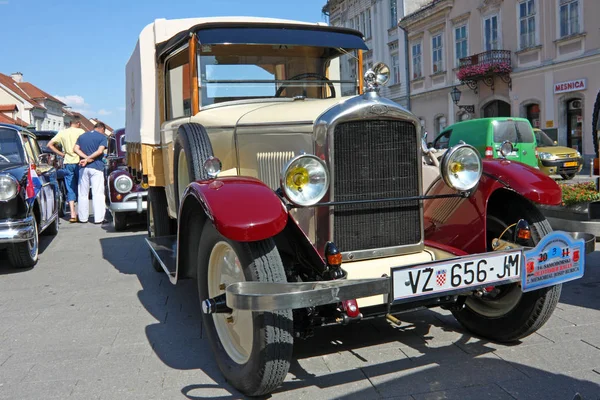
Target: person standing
<point>67,139</point>
<point>90,146</point>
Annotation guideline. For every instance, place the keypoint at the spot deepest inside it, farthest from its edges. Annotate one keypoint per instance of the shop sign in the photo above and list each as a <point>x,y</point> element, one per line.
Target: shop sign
<point>570,86</point>
<point>550,124</point>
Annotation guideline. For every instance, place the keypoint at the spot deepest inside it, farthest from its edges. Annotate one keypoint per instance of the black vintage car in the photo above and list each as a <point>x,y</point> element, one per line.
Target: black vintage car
<point>29,201</point>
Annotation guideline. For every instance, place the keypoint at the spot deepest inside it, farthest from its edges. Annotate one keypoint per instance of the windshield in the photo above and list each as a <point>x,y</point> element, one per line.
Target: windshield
<point>11,148</point>
<point>519,132</point>
<point>234,72</point>
<point>543,140</point>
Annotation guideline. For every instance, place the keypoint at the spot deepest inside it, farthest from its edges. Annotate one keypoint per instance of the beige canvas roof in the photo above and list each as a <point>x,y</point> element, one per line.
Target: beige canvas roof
<point>142,119</point>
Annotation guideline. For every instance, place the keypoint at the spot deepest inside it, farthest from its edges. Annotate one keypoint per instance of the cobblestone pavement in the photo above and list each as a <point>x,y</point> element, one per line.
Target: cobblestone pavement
<point>93,321</point>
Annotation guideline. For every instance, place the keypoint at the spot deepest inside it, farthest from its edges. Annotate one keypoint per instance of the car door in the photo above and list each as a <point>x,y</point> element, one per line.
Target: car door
<point>506,130</point>
<point>47,197</point>
<point>527,143</point>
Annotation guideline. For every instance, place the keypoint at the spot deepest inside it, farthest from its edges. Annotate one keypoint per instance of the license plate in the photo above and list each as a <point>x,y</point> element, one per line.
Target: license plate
<point>456,275</point>
<point>556,259</point>
<point>570,164</point>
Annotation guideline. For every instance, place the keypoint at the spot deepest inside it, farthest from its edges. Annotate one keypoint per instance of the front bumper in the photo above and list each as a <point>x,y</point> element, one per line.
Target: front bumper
<point>133,202</point>
<point>530,269</point>
<point>552,167</point>
<point>18,230</point>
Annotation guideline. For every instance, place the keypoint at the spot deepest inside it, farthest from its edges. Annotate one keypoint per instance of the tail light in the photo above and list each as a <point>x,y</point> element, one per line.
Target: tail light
<point>489,152</point>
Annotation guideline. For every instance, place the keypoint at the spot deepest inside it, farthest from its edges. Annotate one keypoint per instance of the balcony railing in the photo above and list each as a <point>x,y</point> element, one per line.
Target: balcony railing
<point>485,66</point>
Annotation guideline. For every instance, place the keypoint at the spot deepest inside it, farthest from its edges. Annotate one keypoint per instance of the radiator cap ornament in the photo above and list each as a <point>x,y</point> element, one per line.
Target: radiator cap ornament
<point>377,76</point>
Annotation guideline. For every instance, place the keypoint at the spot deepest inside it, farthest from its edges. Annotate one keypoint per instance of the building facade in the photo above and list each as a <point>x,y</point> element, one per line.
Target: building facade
<point>378,21</point>
<point>32,105</point>
<point>525,58</point>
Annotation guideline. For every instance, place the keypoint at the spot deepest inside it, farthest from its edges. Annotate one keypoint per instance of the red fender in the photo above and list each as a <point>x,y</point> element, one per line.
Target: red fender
<point>461,223</point>
<point>241,209</point>
<point>529,182</point>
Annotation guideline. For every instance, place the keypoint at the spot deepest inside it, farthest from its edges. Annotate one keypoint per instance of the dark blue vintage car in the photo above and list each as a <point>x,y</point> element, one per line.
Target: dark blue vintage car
<point>29,195</point>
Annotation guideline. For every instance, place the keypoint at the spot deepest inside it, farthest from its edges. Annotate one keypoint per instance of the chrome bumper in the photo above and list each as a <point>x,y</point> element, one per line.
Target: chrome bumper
<point>18,230</point>
<point>133,202</point>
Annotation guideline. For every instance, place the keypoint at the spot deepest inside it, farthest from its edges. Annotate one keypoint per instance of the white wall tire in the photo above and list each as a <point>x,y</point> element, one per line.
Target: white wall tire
<point>254,352</point>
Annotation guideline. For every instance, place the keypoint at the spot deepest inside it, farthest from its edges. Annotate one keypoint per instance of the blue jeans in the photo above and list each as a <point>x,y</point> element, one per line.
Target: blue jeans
<point>71,179</point>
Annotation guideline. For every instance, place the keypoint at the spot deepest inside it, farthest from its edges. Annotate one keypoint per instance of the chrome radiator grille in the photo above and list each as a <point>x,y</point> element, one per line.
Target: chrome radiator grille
<point>270,165</point>
<point>375,159</point>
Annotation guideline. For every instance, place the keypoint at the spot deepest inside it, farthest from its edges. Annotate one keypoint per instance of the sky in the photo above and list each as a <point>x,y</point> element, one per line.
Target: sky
<point>76,50</point>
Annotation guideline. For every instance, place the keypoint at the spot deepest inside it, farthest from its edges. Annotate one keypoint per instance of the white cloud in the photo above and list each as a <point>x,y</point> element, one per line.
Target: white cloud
<point>76,102</point>
<point>102,111</point>
<point>121,108</point>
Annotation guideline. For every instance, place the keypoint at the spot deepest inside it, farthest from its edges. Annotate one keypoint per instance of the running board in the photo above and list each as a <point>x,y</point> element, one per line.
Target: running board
<point>268,296</point>
<point>165,250</point>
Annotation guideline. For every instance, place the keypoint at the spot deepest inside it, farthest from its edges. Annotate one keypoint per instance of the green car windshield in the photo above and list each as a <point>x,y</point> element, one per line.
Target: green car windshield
<point>513,131</point>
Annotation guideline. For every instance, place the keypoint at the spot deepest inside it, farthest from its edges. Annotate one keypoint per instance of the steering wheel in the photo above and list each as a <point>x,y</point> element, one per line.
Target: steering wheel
<point>7,160</point>
<point>307,75</point>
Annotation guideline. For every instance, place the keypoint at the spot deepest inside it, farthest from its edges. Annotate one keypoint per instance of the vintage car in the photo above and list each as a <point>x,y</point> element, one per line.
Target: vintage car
<point>297,197</point>
<point>43,137</point>
<point>29,195</point>
<point>126,196</point>
<point>555,159</point>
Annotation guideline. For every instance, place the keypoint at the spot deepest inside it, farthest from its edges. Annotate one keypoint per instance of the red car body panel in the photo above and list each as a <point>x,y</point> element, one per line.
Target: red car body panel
<point>461,222</point>
<point>242,209</point>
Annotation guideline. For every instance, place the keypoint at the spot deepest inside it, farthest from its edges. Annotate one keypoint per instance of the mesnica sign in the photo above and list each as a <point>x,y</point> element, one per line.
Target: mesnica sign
<point>570,86</point>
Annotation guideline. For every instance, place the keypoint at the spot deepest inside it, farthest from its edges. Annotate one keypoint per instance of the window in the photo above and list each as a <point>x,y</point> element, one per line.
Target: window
<point>436,53</point>
<point>351,22</point>
<point>357,23</point>
<point>460,40</point>
<point>527,23</point>
<point>440,124</point>
<point>393,14</point>
<point>368,29</point>
<point>416,60</point>
<point>441,142</point>
<point>569,17</point>
<point>490,29</point>
<point>178,86</point>
<point>395,69</point>
<point>363,23</point>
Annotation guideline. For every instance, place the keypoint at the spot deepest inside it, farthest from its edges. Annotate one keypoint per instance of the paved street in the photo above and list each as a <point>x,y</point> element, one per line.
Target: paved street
<point>93,321</point>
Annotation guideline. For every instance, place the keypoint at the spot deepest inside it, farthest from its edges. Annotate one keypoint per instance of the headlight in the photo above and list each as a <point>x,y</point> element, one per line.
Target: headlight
<point>461,167</point>
<point>9,187</point>
<point>578,154</point>
<point>123,184</point>
<point>545,156</point>
<point>305,180</point>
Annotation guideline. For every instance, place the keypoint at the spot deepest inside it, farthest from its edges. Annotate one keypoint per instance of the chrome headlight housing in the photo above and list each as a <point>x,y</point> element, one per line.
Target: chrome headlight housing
<point>9,187</point>
<point>461,167</point>
<point>545,156</point>
<point>123,184</point>
<point>305,180</point>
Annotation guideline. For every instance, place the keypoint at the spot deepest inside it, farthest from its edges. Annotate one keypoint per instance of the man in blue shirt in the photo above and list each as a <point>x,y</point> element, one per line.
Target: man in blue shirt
<point>90,147</point>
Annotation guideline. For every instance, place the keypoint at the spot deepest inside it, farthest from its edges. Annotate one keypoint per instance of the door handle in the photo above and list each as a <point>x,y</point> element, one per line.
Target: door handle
<point>524,152</point>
